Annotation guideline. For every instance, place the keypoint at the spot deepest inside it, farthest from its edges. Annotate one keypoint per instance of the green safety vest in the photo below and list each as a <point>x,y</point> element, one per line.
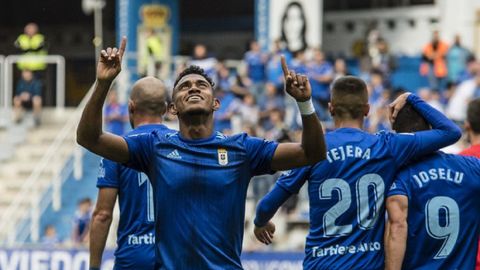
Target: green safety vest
<point>27,43</point>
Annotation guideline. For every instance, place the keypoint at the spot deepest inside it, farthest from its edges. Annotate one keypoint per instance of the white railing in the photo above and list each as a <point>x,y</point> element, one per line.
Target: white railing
<point>4,116</point>
<point>28,194</point>
<point>50,59</point>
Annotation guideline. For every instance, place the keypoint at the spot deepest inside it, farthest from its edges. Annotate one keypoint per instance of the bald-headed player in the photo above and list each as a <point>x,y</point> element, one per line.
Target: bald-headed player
<point>136,230</point>
<point>346,191</point>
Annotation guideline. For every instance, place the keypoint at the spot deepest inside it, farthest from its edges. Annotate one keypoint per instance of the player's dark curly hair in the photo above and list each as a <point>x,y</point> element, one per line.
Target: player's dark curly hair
<point>194,70</point>
<point>409,120</point>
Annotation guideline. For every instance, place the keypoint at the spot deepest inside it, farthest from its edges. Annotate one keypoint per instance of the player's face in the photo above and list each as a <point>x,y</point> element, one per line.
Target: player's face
<point>193,95</point>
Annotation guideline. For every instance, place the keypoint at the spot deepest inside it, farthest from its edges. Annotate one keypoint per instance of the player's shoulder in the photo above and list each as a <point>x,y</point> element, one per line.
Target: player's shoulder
<point>158,131</point>
<point>387,135</point>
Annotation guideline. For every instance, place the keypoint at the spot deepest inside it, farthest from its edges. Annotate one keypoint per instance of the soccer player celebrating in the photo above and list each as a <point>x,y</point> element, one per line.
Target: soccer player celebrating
<point>433,209</point>
<point>346,191</point>
<point>199,177</point>
<point>135,234</point>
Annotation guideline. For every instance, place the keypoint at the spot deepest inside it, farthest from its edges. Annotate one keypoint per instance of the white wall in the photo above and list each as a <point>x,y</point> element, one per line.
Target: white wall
<point>453,16</point>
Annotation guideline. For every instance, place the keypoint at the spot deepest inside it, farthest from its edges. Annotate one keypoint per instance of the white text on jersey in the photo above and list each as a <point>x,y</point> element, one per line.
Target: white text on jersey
<point>347,151</point>
<point>423,177</point>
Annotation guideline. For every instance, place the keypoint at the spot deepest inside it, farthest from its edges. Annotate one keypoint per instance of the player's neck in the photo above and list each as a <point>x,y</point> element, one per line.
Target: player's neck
<point>348,123</point>
<point>146,120</point>
<point>194,127</point>
<point>474,138</point>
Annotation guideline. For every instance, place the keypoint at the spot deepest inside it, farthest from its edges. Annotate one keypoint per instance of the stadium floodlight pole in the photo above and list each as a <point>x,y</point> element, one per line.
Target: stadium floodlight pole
<point>98,24</point>
<point>96,7</point>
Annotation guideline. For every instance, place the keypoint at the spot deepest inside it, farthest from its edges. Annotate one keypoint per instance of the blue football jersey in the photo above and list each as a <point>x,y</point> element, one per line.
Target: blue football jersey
<point>136,230</point>
<point>199,189</point>
<point>346,196</point>
<point>443,211</point>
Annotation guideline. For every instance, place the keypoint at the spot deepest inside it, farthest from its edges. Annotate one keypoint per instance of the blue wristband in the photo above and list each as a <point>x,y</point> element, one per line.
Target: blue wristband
<point>94,268</point>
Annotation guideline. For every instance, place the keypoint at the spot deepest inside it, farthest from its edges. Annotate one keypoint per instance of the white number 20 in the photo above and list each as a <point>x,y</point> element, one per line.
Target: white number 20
<point>448,231</point>
<point>373,182</point>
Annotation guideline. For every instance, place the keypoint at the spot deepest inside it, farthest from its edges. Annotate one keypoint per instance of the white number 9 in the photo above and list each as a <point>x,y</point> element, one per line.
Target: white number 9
<point>449,230</point>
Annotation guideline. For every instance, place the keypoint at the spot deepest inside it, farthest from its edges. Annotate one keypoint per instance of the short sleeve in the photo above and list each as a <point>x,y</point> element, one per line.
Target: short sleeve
<point>293,180</point>
<point>400,185</point>
<point>108,174</point>
<point>260,153</point>
<point>140,148</point>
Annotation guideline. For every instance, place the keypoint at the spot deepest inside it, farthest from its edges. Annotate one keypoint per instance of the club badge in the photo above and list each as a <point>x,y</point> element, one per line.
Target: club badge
<point>222,156</point>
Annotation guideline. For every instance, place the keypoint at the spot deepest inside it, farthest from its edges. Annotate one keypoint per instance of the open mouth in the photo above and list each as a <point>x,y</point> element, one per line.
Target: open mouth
<point>194,98</point>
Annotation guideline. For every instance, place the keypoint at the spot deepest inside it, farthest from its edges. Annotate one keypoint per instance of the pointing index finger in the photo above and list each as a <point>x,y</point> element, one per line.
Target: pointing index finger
<point>284,66</point>
<point>123,45</point>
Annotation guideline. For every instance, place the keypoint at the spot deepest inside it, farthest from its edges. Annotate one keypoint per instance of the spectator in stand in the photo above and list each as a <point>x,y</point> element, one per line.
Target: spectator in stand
<point>50,238</point>
<point>434,65</point>
<point>223,116</point>
<point>81,222</point>
<point>275,124</point>
<point>116,114</point>
<point>274,71</point>
<point>320,73</point>
<point>383,60</point>
<point>456,108</point>
<point>256,60</point>
<point>248,110</point>
<point>432,98</point>
<point>457,60</point>
<point>340,69</point>
<point>271,101</point>
<point>31,43</point>
<point>28,94</point>
<point>376,88</point>
<point>472,66</point>
<point>299,62</point>
<point>202,59</point>
<point>230,82</point>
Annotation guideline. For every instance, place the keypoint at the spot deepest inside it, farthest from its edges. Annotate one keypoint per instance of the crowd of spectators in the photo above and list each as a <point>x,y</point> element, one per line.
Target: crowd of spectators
<point>253,101</point>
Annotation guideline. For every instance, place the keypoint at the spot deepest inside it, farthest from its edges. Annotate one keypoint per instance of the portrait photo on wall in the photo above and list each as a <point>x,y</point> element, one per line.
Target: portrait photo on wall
<point>297,23</point>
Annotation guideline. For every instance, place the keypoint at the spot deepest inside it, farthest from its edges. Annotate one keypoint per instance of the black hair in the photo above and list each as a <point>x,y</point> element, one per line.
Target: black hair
<point>194,70</point>
<point>473,115</point>
<point>304,27</point>
<point>409,120</point>
<point>349,97</point>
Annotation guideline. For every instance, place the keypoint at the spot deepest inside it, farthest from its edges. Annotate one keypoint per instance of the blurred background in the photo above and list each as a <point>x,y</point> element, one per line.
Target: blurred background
<point>48,52</point>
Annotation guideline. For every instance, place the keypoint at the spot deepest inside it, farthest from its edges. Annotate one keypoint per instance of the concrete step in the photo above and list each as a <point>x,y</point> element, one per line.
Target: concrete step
<point>13,170</point>
<point>36,151</point>
<point>14,185</point>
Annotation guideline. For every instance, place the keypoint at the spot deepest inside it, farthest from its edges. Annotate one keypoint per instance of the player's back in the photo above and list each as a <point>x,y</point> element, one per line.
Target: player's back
<point>136,228</point>
<point>346,194</point>
<point>444,211</point>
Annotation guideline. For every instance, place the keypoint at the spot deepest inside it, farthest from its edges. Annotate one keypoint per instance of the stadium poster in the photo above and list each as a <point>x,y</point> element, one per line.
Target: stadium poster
<point>296,22</point>
<point>57,259</point>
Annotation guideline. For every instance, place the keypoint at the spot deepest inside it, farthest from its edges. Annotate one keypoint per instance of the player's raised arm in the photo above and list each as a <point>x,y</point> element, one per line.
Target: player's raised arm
<point>312,149</point>
<point>396,232</point>
<point>443,133</point>
<point>89,132</point>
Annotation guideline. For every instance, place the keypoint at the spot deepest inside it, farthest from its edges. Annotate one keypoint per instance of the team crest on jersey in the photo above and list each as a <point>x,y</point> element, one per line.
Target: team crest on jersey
<point>222,156</point>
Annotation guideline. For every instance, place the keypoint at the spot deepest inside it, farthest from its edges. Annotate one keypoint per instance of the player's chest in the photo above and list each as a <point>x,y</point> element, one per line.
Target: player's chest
<point>213,168</point>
